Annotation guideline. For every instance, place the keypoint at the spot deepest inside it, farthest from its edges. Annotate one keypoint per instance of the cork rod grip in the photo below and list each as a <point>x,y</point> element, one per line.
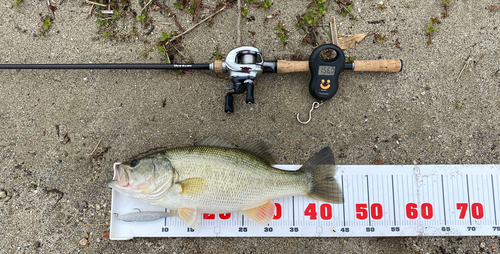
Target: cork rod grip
<point>292,66</point>
<point>386,65</point>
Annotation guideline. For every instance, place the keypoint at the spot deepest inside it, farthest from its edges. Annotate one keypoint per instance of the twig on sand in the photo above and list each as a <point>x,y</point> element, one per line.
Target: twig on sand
<point>463,68</point>
<point>238,39</point>
<point>333,30</point>
<point>197,11</point>
<point>94,3</point>
<point>172,14</point>
<point>187,31</point>
<point>96,146</point>
<point>347,10</point>
<point>50,10</point>
<point>146,6</point>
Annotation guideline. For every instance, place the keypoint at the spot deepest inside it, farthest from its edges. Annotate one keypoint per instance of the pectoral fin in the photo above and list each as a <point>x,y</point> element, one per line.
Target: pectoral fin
<point>190,217</point>
<point>193,186</point>
<point>261,214</point>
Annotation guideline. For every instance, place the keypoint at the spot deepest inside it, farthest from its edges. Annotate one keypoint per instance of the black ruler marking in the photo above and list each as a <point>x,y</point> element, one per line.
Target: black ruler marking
<point>468,198</point>
<point>444,203</point>
<point>165,224</point>
<point>494,206</point>
<point>293,211</point>
<point>242,220</point>
<point>369,210</point>
<point>343,200</point>
<point>393,200</point>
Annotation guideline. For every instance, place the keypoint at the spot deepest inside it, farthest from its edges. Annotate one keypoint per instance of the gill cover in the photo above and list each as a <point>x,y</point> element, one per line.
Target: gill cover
<point>148,179</point>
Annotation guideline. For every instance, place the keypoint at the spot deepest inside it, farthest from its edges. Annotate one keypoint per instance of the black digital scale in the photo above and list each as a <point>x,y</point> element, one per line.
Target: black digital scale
<point>325,73</point>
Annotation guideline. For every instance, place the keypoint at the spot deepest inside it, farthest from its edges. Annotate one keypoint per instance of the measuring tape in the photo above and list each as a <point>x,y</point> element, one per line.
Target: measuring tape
<point>382,200</point>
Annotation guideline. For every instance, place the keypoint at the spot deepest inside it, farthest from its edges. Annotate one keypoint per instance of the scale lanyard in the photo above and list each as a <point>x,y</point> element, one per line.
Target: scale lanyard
<point>379,200</point>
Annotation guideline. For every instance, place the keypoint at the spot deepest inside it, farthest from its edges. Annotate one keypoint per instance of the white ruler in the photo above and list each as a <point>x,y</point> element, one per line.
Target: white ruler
<point>383,200</point>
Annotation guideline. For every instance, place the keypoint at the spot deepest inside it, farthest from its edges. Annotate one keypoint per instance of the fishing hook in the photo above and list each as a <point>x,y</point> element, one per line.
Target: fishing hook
<point>314,105</point>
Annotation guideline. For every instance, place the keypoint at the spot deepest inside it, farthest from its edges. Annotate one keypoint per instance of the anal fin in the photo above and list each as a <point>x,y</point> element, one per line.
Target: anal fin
<point>190,216</point>
<point>261,214</point>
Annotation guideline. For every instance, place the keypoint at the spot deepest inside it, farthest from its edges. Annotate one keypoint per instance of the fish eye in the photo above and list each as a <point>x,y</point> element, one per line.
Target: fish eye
<point>134,163</point>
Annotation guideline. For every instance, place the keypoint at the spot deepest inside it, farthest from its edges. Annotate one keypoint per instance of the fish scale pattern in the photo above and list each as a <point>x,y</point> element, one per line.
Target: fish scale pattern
<point>233,179</point>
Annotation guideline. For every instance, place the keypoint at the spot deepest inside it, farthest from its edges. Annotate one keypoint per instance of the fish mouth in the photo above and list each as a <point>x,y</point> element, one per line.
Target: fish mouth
<point>122,176</point>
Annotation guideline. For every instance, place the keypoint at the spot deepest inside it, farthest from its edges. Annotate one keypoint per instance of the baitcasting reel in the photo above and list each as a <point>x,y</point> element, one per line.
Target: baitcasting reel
<point>244,64</point>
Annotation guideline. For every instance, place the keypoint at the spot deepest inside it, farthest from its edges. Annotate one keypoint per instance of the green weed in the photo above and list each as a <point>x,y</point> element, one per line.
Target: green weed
<point>282,32</point>
<point>348,8</point>
<point>265,4</point>
<point>315,10</point>
<point>141,17</point>
<point>350,59</point>
<point>192,7</point>
<point>217,56</point>
<point>17,3</point>
<point>179,6</point>
<point>165,36</point>
<point>161,49</point>
<point>378,37</point>
<point>46,23</point>
<point>446,6</point>
<point>119,7</point>
<point>431,28</point>
<point>186,5</point>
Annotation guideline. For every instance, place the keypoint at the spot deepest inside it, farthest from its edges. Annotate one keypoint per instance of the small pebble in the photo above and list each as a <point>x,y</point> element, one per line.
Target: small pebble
<point>84,242</point>
<point>3,194</point>
<point>482,245</point>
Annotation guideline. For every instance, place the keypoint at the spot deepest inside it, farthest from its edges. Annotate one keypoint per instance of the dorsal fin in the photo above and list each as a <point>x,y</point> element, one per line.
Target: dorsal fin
<point>261,149</point>
<point>215,141</point>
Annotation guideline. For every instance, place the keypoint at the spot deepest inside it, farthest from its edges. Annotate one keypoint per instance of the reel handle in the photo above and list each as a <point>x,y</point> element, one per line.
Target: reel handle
<point>250,86</point>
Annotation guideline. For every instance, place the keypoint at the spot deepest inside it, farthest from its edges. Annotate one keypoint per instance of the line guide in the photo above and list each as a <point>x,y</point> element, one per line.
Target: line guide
<point>379,200</point>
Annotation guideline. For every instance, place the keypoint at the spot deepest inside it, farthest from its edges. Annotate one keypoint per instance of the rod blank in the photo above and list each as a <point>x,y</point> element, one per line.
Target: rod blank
<point>108,66</point>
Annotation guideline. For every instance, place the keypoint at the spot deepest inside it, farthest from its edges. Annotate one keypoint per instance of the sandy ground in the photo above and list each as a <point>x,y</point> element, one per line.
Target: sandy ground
<point>54,191</point>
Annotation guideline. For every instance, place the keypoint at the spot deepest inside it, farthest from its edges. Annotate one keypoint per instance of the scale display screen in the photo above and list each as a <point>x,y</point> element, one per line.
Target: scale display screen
<point>326,70</point>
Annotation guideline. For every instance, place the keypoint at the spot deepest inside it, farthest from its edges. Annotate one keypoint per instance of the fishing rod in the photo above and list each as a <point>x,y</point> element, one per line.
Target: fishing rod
<point>245,63</point>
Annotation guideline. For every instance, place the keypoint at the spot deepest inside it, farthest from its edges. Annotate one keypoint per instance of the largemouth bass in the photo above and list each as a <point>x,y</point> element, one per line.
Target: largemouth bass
<point>214,176</point>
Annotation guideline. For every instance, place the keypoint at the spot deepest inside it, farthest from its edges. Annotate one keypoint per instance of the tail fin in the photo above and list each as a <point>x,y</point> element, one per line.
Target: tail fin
<point>320,171</point>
